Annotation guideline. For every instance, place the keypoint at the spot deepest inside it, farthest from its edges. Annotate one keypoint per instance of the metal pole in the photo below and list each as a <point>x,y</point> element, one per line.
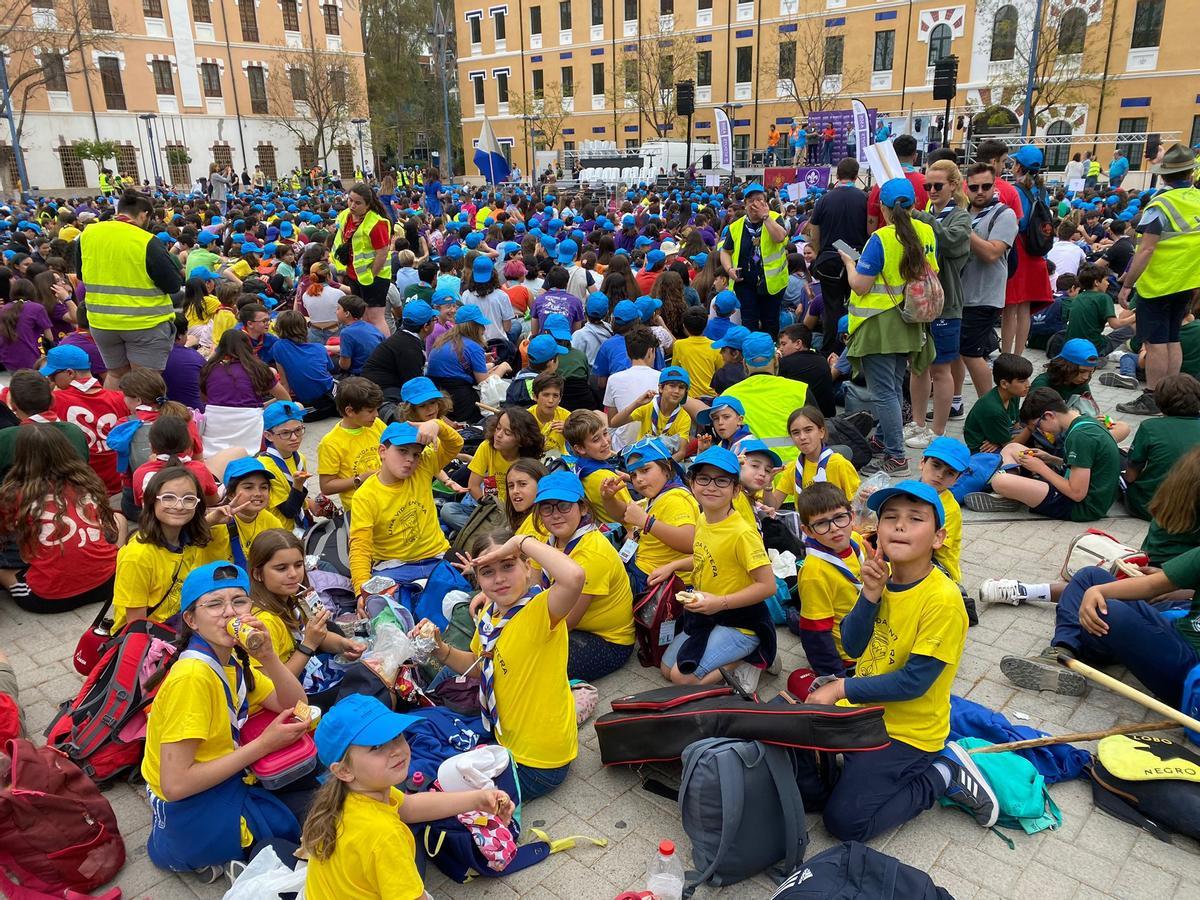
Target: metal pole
<point>18,156</point>
<point>440,33</point>
<point>149,120</point>
<point>1029,75</point>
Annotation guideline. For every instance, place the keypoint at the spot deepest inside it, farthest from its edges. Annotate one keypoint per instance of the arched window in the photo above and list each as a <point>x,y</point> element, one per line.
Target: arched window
<point>939,43</point>
<point>1058,145</point>
<point>1071,30</point>
<point>1004,34</point>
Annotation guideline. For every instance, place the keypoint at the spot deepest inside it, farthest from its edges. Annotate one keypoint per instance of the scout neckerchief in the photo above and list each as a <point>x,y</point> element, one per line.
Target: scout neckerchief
<point>655,413</point>
<point>85,386</point>
<point>198,648</point>
<point>585,466</point>
<point>734,441</point>
<point>302,518</point>
<point>813,547</point>
<point>43,418</point>
<point>489,637</point>
<point>822,462</point>
<point>580,533</point>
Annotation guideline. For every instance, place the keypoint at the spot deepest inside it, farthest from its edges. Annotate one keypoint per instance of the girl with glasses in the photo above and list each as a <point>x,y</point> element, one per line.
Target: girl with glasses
<point>725,621</point>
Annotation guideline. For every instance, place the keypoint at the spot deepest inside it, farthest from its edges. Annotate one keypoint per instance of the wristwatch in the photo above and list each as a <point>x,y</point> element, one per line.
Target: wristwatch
<point>357,479</point>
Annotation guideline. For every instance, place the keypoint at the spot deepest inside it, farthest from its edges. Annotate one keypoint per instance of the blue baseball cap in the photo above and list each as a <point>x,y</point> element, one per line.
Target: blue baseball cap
<point>917,490</point>
<point>699,260</point>
<point>399,434</point>
<point>843,324</point>
<point>953,453</point>
<point>1080,352</point>
<point>655,258</point>
<point>510,247</point>
<point>567,251</point>
<point>473,240</point>
<point>204,273</point>
<point>560,486</point>
<point>754,445</point>
<point>443,296</point>
<point>625,312</point>
<point>725,303</point>
<point>357,720</point>
<point>455,251</point>
<point>482,270</point>
<point>240,468</point>
<point>757,349</point>
<point>471,313</point>
<point>66,356</point>
<point>419,390</point>
<point>1028,157</point>
<point>282,411</point>
<point>753,188</point>
<point>733,339</point>
<point>897,190</point>
<point>675,373</point>
<point>719,458</point>
<point>628,220</point>
<point>647,307</point>
<point>642,241</point>
<point>213,576</point>
<point>557,325</point>
<point>544,348</point>
<point>646,451</point>
<point>597,305</point>
<point>417,312</point>
<point>164,237</point>
<point>206,237</point>
<point>704,417</point>
<point>248,248</point>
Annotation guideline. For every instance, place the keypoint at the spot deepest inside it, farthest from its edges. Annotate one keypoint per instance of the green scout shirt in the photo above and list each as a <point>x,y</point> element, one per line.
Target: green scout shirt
<point>1189,337</point>
<point>1156,447</point>
<point>1088,445</point>
<point>8,439</point>
<point>1066,391</point>
<point>990,420</point>
<point>1161,545</point>
<point>1089,316</point>
<point>1184,572</point>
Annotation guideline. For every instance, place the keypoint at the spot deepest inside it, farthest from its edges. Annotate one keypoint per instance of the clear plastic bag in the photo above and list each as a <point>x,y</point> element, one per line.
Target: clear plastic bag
<point>392,648</point>
<point>865,521</point>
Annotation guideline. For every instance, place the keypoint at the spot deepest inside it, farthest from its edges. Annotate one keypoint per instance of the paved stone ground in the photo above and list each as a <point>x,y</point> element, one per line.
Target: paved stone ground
<point>1091,856</point>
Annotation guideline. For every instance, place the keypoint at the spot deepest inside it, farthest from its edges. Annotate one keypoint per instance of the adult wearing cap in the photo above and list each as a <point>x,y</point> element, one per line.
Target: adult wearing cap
<point>882,345</point>
<point>754,257</point>
<point>1031,282</point>
<point>128,280</point>
<point>360,251</point>
<point>204,814</point>
<point>1165,272</point>
<point>401,357</point>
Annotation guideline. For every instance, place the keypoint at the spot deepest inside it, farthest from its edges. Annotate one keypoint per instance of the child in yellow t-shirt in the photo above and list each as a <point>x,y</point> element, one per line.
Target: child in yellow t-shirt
<point>695,353</point>
<point>661,415</point>
<point>283,432</point>
<point>512,434</point>
<point>248,492</point>
<point>349,453</point>
<point>356,834</point>
<point>759,462</point>
<point>907,631</point>
<point>587,436</point>
<point>547,391</point>
<point>422,401</point>
<point>944,462</point>
<point>817,463</point>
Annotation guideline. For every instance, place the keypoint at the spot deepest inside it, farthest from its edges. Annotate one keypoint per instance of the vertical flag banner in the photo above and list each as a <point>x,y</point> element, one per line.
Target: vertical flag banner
<point>489,157</point>
<point>724,139</point>
<point>862,129</point>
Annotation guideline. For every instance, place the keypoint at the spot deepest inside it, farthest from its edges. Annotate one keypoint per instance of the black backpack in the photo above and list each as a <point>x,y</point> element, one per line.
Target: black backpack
<point>329,541</point>
<point>851,431</point>
<point>1039,225</point>
<point>854,871</point>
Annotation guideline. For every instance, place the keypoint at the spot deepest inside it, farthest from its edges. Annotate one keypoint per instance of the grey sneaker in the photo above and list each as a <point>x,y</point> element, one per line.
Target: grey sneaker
<point>1144,405</point>
<point>968,787</point>
<point>981,501</point>
<point>1044,673</point>
<point>1116,379</point>
<point>746,676</point>
<point>895,467</point>
<point>1006,591</point>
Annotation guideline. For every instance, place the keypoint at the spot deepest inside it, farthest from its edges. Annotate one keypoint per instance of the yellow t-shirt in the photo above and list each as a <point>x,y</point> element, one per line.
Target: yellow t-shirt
<point>146,573</point>
<point>838,470</point>
<point>950,554</point>
<point>696,356</point>
<point>532,526</point>
<point>211,305</point>
<point>488,461</point>
<point>674,507</point>
<point>642,417</point>
<point>610,614</point>
<point>241,269</point>
<point>744,508</point>
<point>927,619</point>
<point>725,554</point>
<point>826,593</point>
<point>374,857</point>
<point>533,697</point>
<point>223,320</point>
<point>248,531</point>
<point>554,439</point>
<point>591,487</point>
<point>281,484</point>
<point>346,452</point>
<point>282,638</point>
<point>400,521</point>
<point>190,706</point>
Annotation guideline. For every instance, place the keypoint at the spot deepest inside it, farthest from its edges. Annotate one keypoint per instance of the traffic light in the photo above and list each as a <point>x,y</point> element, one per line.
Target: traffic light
<point>685,98</point>
<point>945,78</point>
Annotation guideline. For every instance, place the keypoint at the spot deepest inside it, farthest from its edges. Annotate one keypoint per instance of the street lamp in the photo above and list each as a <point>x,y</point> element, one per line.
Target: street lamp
<point>440,32</point>
<point>362,157</point>
<point>149,118</point>
<point>529,120</point>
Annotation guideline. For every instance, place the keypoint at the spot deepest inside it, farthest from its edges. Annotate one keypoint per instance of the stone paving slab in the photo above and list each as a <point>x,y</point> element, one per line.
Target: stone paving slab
<point>1091,856</point>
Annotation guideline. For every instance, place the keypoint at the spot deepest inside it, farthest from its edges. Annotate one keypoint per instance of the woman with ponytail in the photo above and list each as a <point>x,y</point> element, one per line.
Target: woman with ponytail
<point>1031,282</point>
<point>882,344</point>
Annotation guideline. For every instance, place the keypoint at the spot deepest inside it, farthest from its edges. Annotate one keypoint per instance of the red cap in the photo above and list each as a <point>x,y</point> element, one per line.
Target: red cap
<point>666,848</point>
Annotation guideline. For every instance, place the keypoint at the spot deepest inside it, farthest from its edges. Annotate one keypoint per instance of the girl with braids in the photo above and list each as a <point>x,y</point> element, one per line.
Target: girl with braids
<point>203,813</point>
<point>882,345</point>
<point>62,523</point>
<point>25,329</point>
<point>1031,282</point>
<point>364,258</point>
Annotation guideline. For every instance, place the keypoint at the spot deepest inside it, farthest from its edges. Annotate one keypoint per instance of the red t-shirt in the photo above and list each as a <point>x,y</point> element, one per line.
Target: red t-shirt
<point>519,296</point>
<point>645,279</point>
<point>1009,197</point>
<point>918,183</point>
<point>381,236</point>
<point>96,411</point>
<point>147,470</point>
<point>71,556</point>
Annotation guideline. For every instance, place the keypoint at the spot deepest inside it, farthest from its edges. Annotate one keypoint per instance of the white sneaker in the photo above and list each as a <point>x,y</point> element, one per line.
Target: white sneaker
<point>1003,590</point>
<point>912,428</point>
<point>746,676</point>
<point>921,439</point>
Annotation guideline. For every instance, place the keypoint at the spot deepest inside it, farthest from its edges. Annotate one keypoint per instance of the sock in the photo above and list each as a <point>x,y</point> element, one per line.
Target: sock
<point>1037,591</point>
<point>942,767</point>
<point>956,400</point>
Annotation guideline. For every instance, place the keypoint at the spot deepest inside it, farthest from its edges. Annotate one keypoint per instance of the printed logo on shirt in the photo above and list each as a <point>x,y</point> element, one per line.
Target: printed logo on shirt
<point>95,428</point>
<point>366,461</point>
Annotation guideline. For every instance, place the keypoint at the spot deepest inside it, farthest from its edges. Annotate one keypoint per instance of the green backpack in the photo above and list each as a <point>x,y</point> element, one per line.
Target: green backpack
<point>1024,801</point>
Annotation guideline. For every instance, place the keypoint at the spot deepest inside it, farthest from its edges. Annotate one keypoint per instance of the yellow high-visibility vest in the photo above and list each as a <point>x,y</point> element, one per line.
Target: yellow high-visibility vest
<point>121,296</point>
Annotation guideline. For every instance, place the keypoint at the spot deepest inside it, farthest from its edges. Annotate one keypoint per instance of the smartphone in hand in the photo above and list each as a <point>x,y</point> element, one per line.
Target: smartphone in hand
<point>847,249</point>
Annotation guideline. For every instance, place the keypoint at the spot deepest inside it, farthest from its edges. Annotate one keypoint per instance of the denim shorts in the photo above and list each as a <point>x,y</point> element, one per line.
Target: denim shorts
<point>725,645</point>
<point>946,334</point>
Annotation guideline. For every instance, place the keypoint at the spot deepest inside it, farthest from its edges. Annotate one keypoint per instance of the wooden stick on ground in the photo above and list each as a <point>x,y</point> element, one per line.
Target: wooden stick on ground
<point>1137,728</point>
<point>1120,687</point>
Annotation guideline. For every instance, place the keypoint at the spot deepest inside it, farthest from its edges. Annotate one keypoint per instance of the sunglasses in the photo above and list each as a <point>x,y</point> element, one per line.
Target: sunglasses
<point>934,186</point>
<point>986,186</point>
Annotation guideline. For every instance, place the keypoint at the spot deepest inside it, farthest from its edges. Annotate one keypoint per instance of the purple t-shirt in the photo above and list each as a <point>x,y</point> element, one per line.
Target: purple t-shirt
<point>85,341</point>
<point>229,385</point>
<point>182,375</point>
<point>556,301</point>
<point>24,351</point>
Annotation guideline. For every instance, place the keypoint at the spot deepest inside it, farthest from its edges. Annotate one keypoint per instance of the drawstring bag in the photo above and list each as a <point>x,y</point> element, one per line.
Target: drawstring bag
<point>1020,788</point>
<point>924,299</point>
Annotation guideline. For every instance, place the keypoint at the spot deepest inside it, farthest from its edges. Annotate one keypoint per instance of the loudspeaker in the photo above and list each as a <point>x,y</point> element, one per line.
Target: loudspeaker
<point>945,78</point>
<point>685,98</point>
<point>1153,145</point>
<point>707,161</point>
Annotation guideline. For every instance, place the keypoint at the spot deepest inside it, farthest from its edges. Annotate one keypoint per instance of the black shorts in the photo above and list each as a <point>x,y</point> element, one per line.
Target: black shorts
<point>1159,318</point>
<point>1057,505</point>
<point>979,338</point>
<point>374,294</point>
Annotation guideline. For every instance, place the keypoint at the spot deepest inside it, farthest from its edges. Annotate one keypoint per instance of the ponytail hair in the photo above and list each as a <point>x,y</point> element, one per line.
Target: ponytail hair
<point>913,262</point>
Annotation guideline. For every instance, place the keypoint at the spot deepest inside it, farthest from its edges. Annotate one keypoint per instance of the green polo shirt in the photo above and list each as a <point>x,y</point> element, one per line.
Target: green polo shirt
<point>1089,316</point>
<point>990,420</point>
<point>1158,444</point>
<point>1189,338</point>
<point>1088,445</point>
<point>8,439</point>
<point>1184,572</point>
<point>1161,545</point>
<point>1066,391</point>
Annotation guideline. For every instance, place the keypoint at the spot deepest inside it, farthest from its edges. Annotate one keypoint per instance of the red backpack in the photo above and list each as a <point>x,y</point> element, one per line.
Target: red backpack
<point>655,616</point>
<point>57,833</point>
<point>103,729</point>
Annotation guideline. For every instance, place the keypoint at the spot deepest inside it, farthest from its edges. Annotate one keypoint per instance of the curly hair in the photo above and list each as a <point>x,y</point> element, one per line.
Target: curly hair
<point>530,442</point>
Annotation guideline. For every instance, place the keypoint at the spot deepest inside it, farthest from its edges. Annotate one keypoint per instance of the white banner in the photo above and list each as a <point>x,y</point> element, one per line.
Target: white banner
<point>862,129</point>
<point>185,52</point>
<point>724,140</point>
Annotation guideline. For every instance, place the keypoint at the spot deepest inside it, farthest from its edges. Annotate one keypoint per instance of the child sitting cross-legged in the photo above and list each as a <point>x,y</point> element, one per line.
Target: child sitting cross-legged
<point>660,414</point>
<point>1070,374</point>
<point>907,631</point>
<point>992,422</point>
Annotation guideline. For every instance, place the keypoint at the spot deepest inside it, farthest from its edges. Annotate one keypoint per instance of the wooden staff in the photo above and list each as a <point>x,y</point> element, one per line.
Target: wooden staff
<point>1137,728</point>
<point>487,407</point>
<point>1119,687</point>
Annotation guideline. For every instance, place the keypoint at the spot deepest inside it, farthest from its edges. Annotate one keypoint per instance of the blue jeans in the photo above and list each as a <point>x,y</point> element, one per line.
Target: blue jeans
<point>885,374</point>
<point>725,645</point>
<point>880,790</point>
<point>455,515</point>
<point>1139,637</point>
<point>539,782</point>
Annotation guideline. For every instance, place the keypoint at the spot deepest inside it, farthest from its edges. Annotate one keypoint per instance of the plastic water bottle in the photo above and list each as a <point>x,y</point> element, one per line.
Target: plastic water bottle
<point>664,875</point>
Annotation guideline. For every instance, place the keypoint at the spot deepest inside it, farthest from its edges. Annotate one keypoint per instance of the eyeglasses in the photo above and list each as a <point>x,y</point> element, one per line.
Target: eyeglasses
<point>290,434</point>
<point>240,605</point>
<point>824,526</point>
<point>174,501</point>
<point>562,507</point>
<point>986,186</point>
<point>721,481</point>
<point>266,321</point>
<point>934,185</point>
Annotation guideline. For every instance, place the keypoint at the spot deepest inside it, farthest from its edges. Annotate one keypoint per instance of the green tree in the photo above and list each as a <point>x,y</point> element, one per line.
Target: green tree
<point>96,151</point>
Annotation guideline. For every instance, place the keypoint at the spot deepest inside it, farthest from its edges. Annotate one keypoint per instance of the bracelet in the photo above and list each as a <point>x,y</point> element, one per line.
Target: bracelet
<point>521,543</point>
<point>650,520</point>
<point>307,651</point>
